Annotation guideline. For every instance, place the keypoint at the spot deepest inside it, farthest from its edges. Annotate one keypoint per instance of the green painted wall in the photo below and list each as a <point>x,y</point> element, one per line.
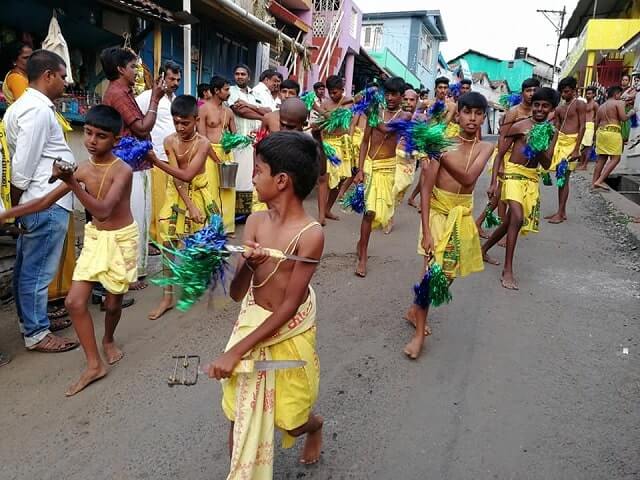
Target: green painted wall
<point>519,71</point>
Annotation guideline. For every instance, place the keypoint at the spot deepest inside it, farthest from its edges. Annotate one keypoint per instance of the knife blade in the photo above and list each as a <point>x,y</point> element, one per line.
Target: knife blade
<point>272,252</point>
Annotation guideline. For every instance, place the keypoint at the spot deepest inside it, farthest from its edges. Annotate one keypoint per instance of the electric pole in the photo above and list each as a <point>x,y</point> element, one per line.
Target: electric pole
<point>558,28</point>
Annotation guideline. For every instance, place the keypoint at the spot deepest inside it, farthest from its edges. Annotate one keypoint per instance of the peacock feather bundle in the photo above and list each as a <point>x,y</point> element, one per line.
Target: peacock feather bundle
<point>231,141</point>
<point>331,153</point>
<point>509,100</point>
<point>339,119</point>
<point>354,199</point>
<point>490,218</point>
<point>133,152</point>
<point>538,139</point>
<point>433,289</point>
<point>426,138</point>
<point>561,173</point>
<point>309,99</point>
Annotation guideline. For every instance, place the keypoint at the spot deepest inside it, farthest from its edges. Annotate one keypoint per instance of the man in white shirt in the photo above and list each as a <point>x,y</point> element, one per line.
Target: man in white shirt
<point>35,139</point>
<point>163,127</point>
<point>263,91</point>
<point>248,116</point>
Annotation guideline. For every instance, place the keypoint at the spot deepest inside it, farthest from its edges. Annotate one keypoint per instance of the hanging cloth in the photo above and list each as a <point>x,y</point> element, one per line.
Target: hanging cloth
<point>55,42</point>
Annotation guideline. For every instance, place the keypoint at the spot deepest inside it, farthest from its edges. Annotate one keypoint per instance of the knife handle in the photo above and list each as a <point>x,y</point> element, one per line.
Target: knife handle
<point>271,252</point>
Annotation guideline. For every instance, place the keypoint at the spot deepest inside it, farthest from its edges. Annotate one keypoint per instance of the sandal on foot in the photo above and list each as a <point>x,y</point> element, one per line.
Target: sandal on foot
<point>4,359</point>
<point>57,312</point>
<point>57,324</point>
<point>54,344</point>
<point>139,285</point>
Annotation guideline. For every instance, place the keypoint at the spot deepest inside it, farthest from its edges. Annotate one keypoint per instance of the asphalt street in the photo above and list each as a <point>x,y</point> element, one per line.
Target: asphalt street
<point>542,383</point>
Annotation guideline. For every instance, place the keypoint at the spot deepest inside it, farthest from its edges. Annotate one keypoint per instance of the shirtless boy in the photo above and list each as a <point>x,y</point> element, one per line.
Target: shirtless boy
<point>189,204</point>
<point>514,114</point>
<point>377,163</point>
<point>277,319</point>
<point>214,118</point>
<point>609,118</point>
<point>447,188</point>
<point>520,182</point>
<point>110,251</point>
<point>570,121</point>
<point>339,139</point>
<point>589,127</point>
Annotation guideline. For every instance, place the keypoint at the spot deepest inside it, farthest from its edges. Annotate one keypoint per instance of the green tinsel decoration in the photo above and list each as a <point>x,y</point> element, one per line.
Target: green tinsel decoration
<point>339,119</point>
<point>430,139</point>
<point>546,179</point>
<point>231,141</point>
<point>490,218</point>
<point>439,292</point>
<point>309,99</point>
<point>540,136</point>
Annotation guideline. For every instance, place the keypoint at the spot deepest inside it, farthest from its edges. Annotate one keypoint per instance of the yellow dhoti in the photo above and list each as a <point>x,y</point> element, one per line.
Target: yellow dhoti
<point>454,233</point>
<point>109,257</point>
<point>609,140</point>
<point>159,181</point>
<point>589,131</point>
<point>175,221</point>
<point>259,401</point>
<point>226,197</point>
<point>344,150</point>
<point>356,141</point>
<point>378,195</point>
<point>60,285</point>
<point>521,184</point>
<point>405,171</point>
<point>565,145</point>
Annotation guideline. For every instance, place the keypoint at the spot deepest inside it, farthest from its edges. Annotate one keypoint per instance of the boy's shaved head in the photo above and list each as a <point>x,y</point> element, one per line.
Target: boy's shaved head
<point>294,110</point>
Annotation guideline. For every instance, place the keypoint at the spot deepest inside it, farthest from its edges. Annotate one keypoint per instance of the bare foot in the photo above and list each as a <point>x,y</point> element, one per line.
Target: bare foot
<point>503,243</point>
<point>410,317</point>
<point>509,282</point>
<point>581,167</point>
<point>112,352</point>
<point>387,230</point>
<point>414,347</point>
<point>555,219</point>
<point>482,233</point>
<point>313,443</point>
<point>166,304</point>
<point>550,216</point>
<point>89,376</point>
<point>602,186</point>
<point>412,203</point>
<point>361,267</point>
<point>332,216</point>
<point>635,220</point>
<point>139,285</point>
<point>490,260</point>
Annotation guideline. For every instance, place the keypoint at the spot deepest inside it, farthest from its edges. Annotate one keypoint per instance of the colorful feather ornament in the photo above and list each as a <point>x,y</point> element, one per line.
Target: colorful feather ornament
<point>339,119</point>
<point>433,289</point>
<point>426,138</point>
<point>231,141</point>
<point>309,99</point>
<point>490,218</point>
<point>546,179</point>
<point>369,103</point>
<point>454,90</point>
<point>538,139</point>
<point>509,100</point>
<point>354,199</point>
<point>592,154</point>
<point>133,152</point>
<point>561,173</point>
<point>436,110</point>
<point>331,153</point>
<point>200,264</point>
<point>633,121</point>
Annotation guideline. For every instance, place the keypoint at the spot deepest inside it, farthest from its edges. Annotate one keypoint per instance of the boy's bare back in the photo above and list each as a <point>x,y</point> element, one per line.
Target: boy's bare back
<point>610,112</point>
<point>262,229</point>
<point>110,181</point>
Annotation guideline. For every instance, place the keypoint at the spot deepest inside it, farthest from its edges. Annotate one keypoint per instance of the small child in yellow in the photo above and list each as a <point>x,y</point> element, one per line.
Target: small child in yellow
<point>109,255</point>
<point>277,316</point>
<point>188,205</point>
<point>448,231</point>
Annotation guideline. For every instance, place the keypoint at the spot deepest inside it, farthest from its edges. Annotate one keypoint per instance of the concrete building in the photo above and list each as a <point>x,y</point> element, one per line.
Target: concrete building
<point>513,71</point>
<point>406,44</point>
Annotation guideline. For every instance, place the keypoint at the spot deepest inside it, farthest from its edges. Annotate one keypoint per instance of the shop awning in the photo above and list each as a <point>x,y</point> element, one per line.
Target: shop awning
<point>395,66</point>
<point>152,11</point>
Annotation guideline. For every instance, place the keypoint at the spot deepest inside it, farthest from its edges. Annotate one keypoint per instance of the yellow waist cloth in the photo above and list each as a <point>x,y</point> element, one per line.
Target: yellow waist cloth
<point>454,232</point>
<point>109,257</point>
<point>258,401</point>
<point>452,130</point>
<point>344,149</point>
<point>227,196</point>
<point>522,185</point>
<point>174,220</point>
<point>564,147</point>
<point>356,141</point>
<point>405,171</point>
<point>379,177</point>
<point>587,138</point>
<point>609,140</point>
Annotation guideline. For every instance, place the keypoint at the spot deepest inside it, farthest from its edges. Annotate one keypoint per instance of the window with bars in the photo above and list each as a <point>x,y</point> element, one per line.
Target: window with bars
<point>372,36</point>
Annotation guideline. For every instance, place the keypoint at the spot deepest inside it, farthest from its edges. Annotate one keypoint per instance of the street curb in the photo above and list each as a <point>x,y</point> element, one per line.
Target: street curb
<point>621,203</point>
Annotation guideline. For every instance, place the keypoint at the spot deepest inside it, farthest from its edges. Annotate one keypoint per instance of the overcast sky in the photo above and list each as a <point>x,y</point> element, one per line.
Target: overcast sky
<point>494,27</point>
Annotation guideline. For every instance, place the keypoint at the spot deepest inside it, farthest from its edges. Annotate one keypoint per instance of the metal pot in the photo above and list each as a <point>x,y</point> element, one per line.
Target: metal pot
<point>228,173</point>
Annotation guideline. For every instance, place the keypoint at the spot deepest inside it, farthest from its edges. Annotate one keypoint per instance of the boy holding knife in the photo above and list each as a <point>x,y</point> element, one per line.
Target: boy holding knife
<point>277,317</point>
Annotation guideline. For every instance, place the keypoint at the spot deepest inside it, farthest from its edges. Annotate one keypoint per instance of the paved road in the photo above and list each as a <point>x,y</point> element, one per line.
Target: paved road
<point>512,385</point>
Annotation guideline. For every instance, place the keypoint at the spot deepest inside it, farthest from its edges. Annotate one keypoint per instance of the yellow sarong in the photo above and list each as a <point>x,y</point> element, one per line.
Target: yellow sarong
<point>5,175</point>
<point>258,401</point>
<point>256,204</point>
<point>609,140</point>
<point>226,197</point>
<point>109,257</point>
<point>522,185</point>
<point>378,195</point>
<point>589,131</point>
<point>454,232</point>
<point>453,130</point>
<point>356,141</point>
<point>564,148</point>
<point>405,171</point>
<point>159,181</point>
<point>175,222</point>
<point>344,149</point>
